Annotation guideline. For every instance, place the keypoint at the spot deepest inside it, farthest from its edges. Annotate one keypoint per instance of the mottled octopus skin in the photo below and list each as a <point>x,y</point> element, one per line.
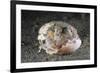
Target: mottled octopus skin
<point>67,43</point>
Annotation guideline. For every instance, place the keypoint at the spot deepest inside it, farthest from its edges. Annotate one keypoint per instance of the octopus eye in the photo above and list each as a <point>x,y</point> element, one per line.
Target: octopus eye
<point>43,41</point>
<point>64,30</point>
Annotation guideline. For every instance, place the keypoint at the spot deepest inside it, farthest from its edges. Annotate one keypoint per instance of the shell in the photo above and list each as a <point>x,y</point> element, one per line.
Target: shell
<point>57,37</point>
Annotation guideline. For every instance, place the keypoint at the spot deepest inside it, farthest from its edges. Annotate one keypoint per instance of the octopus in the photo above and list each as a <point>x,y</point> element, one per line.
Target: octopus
<point>58,37</point>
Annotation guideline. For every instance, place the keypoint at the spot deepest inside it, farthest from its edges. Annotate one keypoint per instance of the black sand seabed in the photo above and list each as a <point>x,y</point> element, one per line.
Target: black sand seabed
<point>31,21</point>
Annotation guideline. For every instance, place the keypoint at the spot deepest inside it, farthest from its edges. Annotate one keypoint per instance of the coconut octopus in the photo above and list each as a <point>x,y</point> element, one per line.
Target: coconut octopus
<point>57,37</point>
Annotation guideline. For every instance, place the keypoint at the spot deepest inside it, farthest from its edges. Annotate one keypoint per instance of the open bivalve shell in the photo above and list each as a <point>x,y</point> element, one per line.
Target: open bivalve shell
<point>57,37</point>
